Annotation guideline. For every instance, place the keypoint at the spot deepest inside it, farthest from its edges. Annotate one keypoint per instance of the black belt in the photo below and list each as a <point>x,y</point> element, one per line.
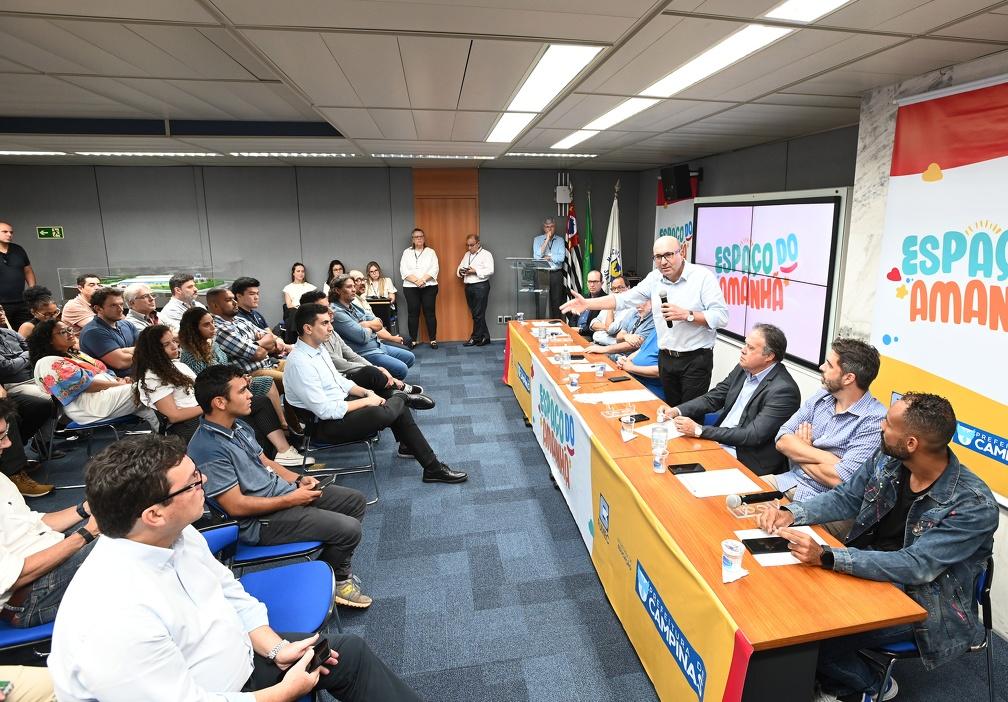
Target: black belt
<point>682,354</point>
<point>479,282</point>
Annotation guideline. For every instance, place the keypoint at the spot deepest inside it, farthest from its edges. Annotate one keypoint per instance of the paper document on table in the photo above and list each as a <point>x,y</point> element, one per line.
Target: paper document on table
<point>726,481</point>
<point>645,430</point>
<point>571,348</point>
<point>586,367</point>
<point>547,324</point>
<point>776,559</point>
<point>617,397</point>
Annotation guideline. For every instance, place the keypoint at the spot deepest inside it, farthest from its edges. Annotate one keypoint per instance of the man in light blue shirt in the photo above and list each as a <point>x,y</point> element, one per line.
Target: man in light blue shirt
<point>836,430</point>
<point>348,412</point>
<point>551,246</point>
<point>688,309</point>
<point>751,403</point>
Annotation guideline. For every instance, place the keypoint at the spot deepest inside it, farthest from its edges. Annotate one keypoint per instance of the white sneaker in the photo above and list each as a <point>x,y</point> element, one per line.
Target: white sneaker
<point>291,458</point>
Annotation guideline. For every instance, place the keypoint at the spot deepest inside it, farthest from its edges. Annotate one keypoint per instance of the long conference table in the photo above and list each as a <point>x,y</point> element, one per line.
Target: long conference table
<point>657,548</point>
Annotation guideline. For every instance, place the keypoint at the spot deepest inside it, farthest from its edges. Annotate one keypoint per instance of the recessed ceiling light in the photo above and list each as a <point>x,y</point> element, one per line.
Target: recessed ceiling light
<point>574,139</point>
<point>289,154</point>
<point>508,126</point>
<point>625,110</point>
<point>33,153</point>
<point>555,70</point>
<point>527,154</point>
<point>723,54</point>
<point>151,154</point>
<point>447,157</point>
<point>804,10</point>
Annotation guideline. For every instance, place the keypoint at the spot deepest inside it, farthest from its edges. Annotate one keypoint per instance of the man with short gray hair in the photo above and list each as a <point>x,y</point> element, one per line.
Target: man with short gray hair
<point>142,306</point>
<point>752,403</point>
<point>552,248</point>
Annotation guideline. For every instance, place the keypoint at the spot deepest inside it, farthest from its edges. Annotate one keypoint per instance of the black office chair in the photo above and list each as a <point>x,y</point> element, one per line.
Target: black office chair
<point>303,421</point>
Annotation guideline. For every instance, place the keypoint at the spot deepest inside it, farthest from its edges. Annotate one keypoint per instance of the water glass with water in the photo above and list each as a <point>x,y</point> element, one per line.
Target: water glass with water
<point>627,427</point>
<point>565,359</point>
<point>658,460</point>
<point>600,370</point>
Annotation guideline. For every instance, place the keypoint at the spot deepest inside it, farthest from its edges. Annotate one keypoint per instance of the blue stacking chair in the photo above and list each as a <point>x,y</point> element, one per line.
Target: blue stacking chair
<point>28,642</point>
<point>224,543</point>
<point>901,650</point>
<point>294,594</point>
<point>309,445</point>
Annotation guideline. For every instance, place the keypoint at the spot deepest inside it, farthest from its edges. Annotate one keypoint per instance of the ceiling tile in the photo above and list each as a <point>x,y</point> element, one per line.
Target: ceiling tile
<point>434,70</point>
<point>395,124</point>
<point>473,126</point>
<point>34,95</point>
<point>578,110</point>
<point>495,71</point>
<point>355,123</point>
<point>306,60</point>
<point>434,125</point>
<point>989,25</point>
<point>373,66</point>
<point>193,54</point>
<point>923,55</point>
<point>174,11</point>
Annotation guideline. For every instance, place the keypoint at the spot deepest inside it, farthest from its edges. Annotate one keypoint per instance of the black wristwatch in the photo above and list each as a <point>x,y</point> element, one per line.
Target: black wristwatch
<point>86,535</point>
<point>828,559</point>
<point>81,512</point>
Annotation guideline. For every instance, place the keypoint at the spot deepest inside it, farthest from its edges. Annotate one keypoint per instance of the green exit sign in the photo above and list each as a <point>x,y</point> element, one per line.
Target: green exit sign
<point>49,232</point>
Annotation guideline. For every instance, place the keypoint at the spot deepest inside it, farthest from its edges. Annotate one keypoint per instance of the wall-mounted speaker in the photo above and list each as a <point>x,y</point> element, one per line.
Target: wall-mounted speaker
<point>676,183</point>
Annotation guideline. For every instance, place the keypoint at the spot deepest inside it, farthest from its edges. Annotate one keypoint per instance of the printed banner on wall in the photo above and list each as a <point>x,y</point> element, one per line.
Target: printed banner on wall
<point>564,439</point>
<point>941,314</point>
<point>674,219</point>
<point>690,646</point>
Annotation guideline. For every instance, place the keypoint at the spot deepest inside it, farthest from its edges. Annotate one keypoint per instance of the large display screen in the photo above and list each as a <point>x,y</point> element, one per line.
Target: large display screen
<point>774,262</point>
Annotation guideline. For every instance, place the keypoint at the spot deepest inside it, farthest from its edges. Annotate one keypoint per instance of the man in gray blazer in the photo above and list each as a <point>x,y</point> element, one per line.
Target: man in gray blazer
<point>752,403</point>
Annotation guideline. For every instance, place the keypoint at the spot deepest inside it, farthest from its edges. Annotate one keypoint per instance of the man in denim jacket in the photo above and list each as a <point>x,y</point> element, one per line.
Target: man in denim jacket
<point>924,522</point>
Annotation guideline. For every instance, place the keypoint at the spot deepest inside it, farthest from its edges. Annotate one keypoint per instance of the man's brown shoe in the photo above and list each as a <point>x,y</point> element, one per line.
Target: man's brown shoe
<point>28,487</point>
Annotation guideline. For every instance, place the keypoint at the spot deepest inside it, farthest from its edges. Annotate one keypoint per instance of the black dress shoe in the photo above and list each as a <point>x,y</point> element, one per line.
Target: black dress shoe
<point>416,401</point>
<point>440,473</point>
<point>471,342</point>
<point>483,342</point>
<point>410,344</point>
<point>412,389</point>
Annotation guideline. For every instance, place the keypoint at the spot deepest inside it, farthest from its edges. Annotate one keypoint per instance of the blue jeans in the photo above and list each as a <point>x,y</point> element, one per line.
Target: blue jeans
<point>394,359</point>
<point>841,671</point>
<point>47,592</point>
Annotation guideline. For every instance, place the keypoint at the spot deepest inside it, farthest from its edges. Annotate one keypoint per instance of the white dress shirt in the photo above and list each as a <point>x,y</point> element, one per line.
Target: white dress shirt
<point>140,622</point>
<point>312,382</point>
<point>696,290</point>
<point>171,314</point>
<point>482,262</point>
<point>22,534</point>
<point>423,263</point>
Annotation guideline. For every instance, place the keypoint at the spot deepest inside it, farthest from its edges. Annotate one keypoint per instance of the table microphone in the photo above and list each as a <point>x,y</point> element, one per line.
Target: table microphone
<point>736,501</point>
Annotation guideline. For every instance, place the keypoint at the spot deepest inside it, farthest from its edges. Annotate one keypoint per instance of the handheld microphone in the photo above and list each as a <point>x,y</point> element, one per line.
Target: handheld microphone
<point>663,297</point>
<point>736,501</point>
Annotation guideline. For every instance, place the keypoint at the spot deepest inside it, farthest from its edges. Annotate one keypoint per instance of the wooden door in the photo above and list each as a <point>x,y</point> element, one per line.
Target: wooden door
<point>446,207</point>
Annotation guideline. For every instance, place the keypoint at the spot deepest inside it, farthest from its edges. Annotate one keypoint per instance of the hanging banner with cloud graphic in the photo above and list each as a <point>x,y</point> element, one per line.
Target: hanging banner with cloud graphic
<point>941,314</point>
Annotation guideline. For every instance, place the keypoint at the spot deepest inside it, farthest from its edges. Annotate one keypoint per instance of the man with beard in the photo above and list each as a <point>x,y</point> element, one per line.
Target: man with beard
<point>836,430</point>
<point>924,522</point>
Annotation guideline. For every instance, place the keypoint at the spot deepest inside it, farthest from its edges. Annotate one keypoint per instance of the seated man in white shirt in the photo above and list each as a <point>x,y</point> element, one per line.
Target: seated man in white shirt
<point>346,411</point>
<point>606,324</point>
<point>179,626</point>
<point>184,293</point>
<point>39,552</point>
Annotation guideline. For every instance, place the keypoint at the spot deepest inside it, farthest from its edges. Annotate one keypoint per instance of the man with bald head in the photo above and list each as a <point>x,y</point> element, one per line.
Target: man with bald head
<point>688,309</point>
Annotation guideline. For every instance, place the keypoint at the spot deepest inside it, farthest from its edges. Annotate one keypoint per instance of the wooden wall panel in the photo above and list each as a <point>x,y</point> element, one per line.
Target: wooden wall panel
<point>446,207</point>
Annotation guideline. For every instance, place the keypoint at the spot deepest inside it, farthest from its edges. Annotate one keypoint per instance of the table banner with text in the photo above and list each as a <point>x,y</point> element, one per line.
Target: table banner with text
<point>564,439</point>
<point>518,371</point>
<point>690,652</point>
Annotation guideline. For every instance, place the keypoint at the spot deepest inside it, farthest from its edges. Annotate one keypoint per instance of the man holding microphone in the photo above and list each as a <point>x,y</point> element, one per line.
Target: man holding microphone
<point>688,309</point>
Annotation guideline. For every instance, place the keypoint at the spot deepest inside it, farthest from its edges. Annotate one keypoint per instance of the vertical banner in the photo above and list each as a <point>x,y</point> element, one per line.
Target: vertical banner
<point>690,646</point>
<point>941,313</point>
<point>564,439</point>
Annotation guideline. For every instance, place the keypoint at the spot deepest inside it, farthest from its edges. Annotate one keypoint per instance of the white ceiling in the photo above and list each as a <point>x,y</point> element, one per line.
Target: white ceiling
<point>416,76</point>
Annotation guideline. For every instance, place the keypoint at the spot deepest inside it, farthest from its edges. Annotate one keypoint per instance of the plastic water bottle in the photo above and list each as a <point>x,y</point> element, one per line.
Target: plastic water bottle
<point>543,346</point>
<point>565,359</point>
<point>600,370</point>
<point>658,461</point>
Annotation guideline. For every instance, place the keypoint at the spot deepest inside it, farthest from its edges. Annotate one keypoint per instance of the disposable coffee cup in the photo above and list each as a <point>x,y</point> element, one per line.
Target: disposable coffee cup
<point>731,557</point>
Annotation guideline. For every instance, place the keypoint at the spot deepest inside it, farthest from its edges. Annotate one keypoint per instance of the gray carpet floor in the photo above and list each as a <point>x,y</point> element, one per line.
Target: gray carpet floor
<point>484,591</point>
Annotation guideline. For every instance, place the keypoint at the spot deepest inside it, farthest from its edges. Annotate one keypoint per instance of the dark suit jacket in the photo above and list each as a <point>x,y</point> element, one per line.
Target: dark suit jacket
<point>775,400</point>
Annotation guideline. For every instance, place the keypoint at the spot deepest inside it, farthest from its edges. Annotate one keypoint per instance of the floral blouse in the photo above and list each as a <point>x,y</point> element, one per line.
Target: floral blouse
<point>67,377</point>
